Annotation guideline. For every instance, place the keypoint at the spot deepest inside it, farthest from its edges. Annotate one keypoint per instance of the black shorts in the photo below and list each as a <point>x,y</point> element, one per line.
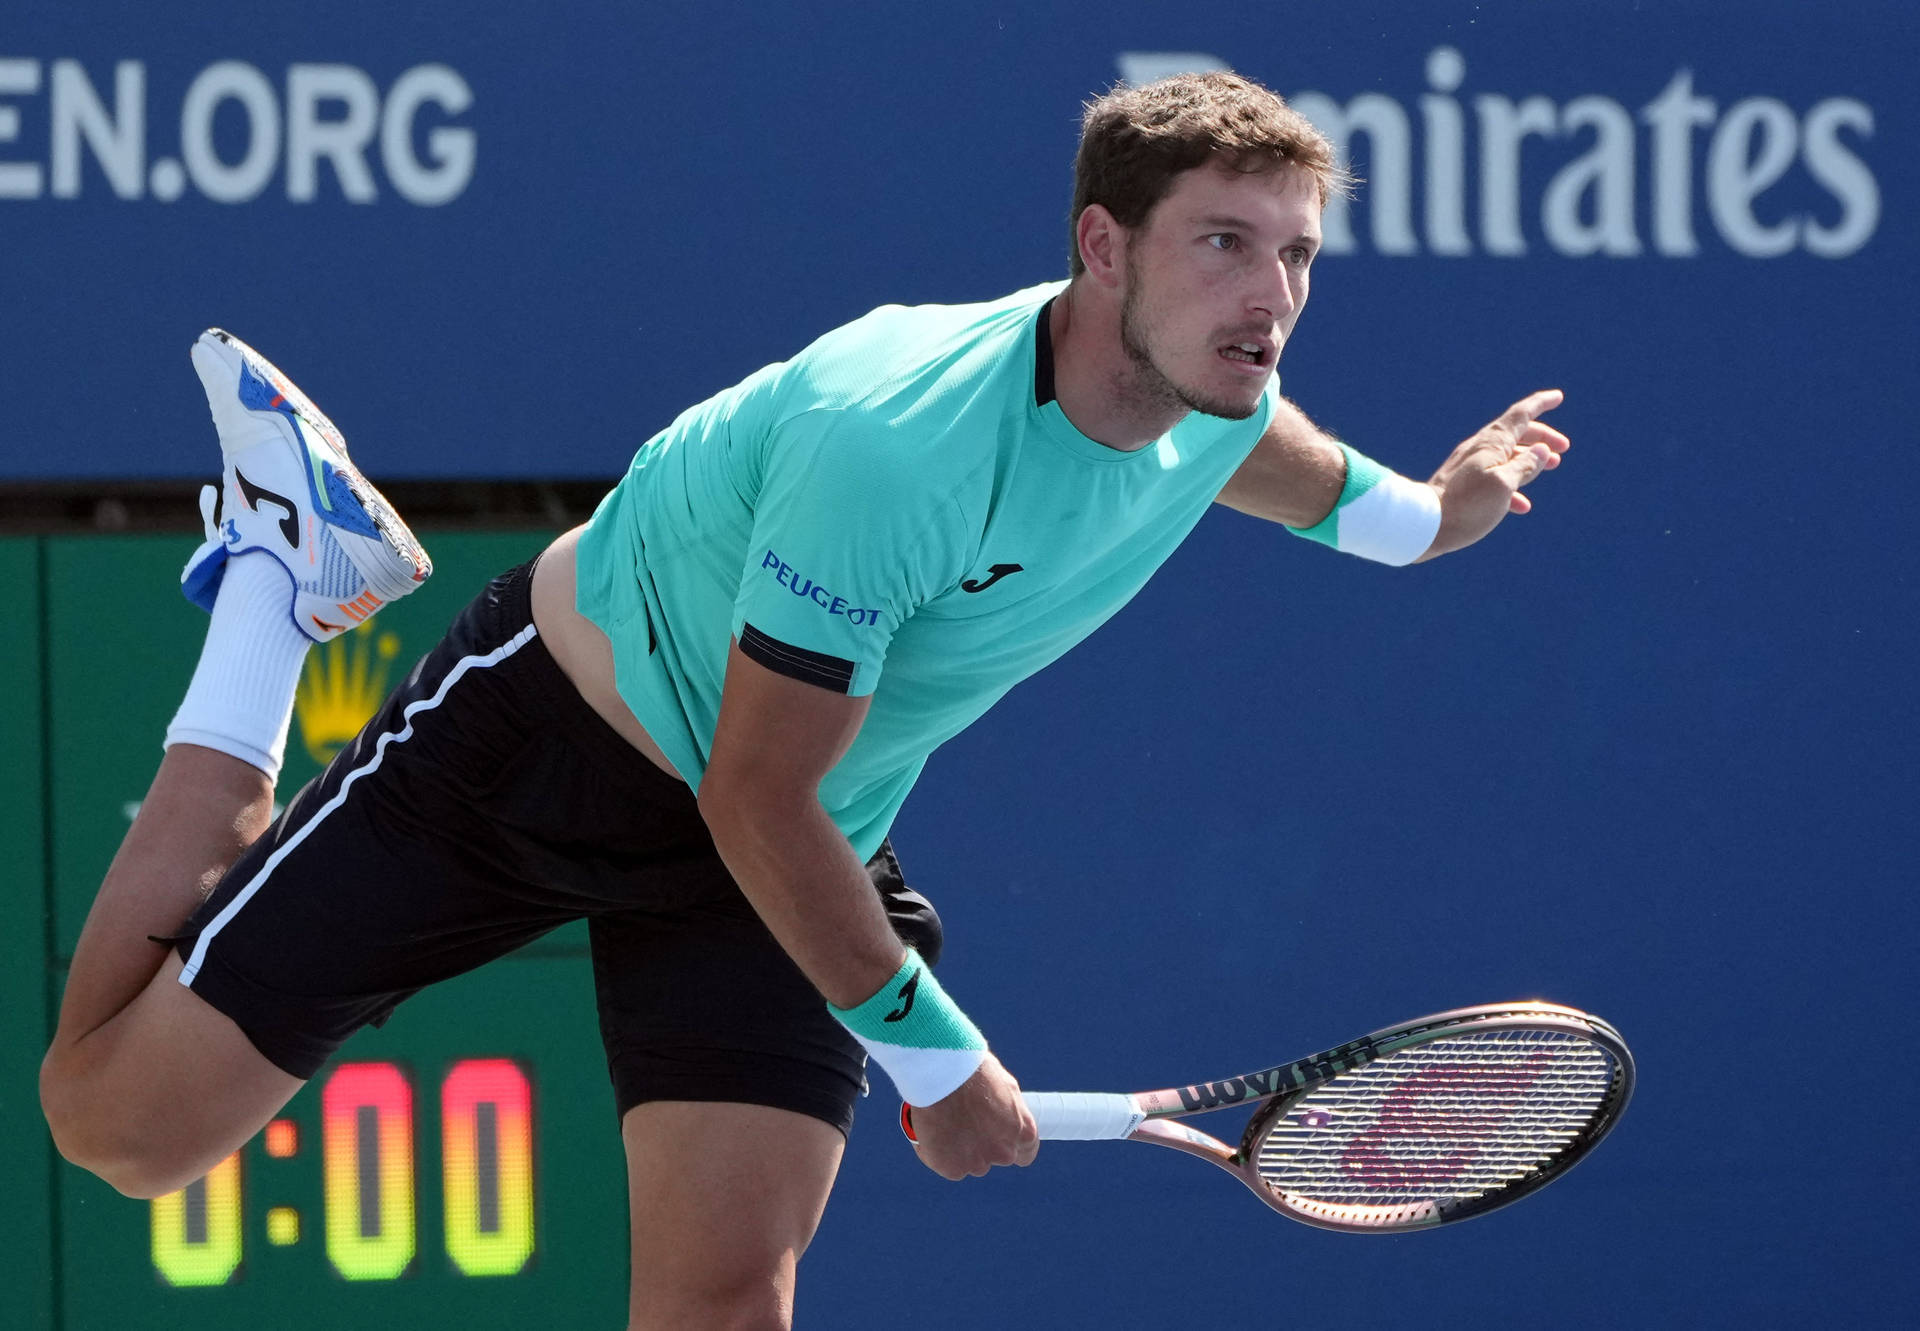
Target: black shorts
<point>484,805</point>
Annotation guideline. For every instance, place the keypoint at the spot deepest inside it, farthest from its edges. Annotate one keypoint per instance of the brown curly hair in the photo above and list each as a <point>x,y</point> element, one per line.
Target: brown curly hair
<point>1134,141</point>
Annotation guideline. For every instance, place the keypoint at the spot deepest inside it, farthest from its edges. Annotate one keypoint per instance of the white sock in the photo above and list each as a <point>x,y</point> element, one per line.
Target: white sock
<point>241,698</point>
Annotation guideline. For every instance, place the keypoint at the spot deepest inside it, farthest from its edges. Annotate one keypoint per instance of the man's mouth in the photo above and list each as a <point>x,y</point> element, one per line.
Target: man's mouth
<point>1258,354</point>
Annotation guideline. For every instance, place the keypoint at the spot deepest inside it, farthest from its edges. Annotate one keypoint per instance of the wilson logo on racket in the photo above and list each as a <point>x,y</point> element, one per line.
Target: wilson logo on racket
<point>1213,1094</point>
<point>907,991</point>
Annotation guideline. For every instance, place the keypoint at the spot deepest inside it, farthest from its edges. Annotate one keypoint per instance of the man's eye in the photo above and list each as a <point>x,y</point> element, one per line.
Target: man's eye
<point>1223,240</point>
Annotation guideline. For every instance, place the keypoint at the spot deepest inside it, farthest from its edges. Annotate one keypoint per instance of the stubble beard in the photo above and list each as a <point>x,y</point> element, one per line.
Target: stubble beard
<point>1151,384</point>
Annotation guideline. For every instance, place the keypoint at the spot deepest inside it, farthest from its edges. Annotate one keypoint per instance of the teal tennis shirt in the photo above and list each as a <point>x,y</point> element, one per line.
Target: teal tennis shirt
<point>903,511</point>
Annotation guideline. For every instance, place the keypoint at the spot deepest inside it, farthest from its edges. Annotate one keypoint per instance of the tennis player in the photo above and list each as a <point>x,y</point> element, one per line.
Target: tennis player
<point>692,720</point>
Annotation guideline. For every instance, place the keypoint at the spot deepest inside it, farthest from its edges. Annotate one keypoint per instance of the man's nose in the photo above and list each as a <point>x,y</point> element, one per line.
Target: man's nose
<point>1274,295</point>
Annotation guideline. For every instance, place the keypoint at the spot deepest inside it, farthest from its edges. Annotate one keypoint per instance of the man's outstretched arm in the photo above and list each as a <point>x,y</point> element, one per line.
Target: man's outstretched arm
<point>1300,476</point>
<point>775,740</point>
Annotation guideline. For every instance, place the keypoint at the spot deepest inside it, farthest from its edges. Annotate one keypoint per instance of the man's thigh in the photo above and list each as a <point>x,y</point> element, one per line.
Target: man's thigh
<point>724,1199</point>
<point>736,1089</point>
<point>699,1003</point>
<point>484,804</point>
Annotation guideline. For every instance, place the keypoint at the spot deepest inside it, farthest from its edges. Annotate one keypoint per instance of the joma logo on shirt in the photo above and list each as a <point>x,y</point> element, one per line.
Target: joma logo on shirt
<point>783,573</point>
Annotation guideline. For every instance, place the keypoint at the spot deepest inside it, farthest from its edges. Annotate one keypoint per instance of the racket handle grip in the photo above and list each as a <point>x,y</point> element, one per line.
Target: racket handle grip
<point>1083,1116</point>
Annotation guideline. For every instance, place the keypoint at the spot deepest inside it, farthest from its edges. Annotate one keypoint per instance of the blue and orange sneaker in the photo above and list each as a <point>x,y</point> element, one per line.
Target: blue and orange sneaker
<point>288,489</point>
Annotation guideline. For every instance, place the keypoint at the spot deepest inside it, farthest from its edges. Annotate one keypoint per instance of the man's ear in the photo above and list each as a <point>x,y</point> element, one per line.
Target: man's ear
<point>1103,245</point>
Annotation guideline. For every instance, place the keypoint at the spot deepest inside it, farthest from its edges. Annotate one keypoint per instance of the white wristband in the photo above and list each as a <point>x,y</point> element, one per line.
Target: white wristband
<point>1380,515</point>
<point>1392,523</point>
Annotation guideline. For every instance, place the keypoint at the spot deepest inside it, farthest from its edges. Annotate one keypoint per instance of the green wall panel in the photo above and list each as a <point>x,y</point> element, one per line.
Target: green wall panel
<point>26,1156</point>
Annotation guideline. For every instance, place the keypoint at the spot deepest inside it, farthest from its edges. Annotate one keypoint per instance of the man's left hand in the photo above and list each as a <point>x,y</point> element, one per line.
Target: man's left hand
<point>1480,482</point>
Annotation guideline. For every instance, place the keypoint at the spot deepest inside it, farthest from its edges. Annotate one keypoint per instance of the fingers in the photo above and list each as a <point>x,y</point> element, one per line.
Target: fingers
<point>979,1166</point>
<point>1530,435</point>
<point>1526,464</point>
<point>1523,467</point>
<point>1020,1151</point>
<point>1024,1148</point>
<point>1480,481</point>
<point>1029,1144</point>
<point>1530,407</point>
<point>951,1173</point>
<point>1537,446</point>
<point>982,1124</point>
<point>1539,432</point>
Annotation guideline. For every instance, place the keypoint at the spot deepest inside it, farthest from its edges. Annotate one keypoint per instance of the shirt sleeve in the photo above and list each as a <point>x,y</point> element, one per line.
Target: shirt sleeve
<point>852,531</point>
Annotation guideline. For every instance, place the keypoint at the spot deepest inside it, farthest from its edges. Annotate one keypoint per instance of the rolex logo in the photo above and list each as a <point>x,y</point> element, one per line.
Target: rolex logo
<point>342,685</point>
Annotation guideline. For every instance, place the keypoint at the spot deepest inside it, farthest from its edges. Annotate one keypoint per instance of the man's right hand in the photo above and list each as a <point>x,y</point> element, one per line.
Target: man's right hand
<point>983,1124</point>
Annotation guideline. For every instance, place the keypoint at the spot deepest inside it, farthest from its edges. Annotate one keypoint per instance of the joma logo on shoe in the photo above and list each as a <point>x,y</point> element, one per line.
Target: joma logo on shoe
<point>253,494</point>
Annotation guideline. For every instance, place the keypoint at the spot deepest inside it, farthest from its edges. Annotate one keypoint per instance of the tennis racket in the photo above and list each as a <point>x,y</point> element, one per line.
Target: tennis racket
<point>1439,1120</point>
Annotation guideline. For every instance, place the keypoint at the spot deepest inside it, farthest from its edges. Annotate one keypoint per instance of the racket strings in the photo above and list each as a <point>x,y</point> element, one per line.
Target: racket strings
<point>1456,1117</point>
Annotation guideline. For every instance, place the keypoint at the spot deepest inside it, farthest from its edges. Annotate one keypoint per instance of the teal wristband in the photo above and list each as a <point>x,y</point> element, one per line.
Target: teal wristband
<point>1363,473</point>
<point>919,1035</point>
<point>1380,515</point>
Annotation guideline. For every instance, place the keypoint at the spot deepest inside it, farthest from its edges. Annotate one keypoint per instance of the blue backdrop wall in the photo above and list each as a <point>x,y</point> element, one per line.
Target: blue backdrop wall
<point>1645,751</point>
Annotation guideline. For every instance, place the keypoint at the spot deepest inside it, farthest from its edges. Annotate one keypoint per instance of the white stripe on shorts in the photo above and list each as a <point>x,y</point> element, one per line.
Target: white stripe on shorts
<point>245,894</point>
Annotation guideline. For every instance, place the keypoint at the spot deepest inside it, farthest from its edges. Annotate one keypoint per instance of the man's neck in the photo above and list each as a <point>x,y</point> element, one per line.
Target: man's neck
<point>1095,381</point>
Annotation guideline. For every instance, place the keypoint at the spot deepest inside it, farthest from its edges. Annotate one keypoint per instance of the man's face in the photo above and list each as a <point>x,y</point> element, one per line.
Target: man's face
<point>1216,279</point>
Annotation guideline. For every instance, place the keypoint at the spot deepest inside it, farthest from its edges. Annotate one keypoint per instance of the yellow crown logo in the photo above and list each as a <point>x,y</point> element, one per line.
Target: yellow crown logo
<point>341,686</point>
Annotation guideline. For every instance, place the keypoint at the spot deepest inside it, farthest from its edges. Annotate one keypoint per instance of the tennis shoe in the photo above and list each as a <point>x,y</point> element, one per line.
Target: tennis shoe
<point>289,490</point>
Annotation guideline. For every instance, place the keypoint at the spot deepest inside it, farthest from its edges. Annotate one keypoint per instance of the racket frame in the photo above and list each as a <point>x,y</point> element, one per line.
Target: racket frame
<point>1295,1080</point>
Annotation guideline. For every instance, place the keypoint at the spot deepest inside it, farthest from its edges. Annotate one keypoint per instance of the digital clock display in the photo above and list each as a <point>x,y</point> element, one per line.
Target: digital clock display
<point>369,1180</point>
<point>460,1166</point>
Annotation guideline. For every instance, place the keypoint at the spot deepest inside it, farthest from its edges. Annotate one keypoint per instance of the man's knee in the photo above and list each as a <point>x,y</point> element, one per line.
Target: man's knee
<point>161,1094</point>
<point>763,1302</point>
<point>101,1132</point>
<point>142,1131</point>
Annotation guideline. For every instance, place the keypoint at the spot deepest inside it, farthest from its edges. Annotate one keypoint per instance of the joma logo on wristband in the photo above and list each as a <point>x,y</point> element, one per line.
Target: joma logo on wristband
<point>907,991</point>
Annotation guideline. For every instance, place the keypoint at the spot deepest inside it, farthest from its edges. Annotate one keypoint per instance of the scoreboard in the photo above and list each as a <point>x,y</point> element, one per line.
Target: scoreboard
<point>460,1166</point>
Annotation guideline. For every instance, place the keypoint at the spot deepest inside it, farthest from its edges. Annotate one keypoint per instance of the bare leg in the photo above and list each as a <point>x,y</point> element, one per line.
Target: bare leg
<point>203,809</point>
<point>724,1199</point>
<point>146,1084</point>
